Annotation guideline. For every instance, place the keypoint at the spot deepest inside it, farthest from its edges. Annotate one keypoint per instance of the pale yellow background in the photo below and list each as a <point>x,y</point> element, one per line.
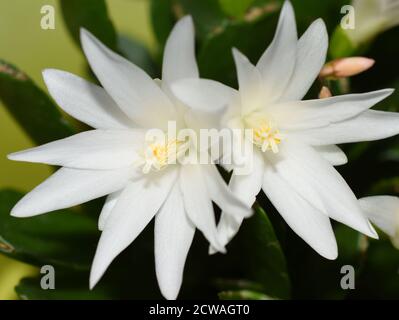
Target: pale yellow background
<point>25,44</point>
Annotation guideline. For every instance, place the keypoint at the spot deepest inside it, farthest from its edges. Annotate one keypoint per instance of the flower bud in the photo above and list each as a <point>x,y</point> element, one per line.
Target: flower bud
<point>346,67</point>
<point>325,93</point>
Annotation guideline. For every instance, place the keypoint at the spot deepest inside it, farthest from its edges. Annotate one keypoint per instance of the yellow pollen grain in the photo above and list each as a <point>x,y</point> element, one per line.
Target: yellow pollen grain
<point>267,137</point>
<point>159,155</point>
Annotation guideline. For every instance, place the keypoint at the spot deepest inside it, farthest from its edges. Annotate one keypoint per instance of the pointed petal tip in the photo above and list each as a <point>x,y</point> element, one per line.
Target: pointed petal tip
<point>216,246</point>
<point>169,293</point>
<point>329,251</point>
<point>238,54</point>
<point>23,210</point>
<point>50,72</point>
<point>330,255</point>
<point>187,19</point>
<point>287,5</point>
<point>184,23</point>
<point>94,279</point>
<point>85,36</point>
<point>13,156</point>
<point>211,250</point>
<point>91,285</point>
<point>221,248</point>
<point>389,91</point>
<point>319,22</point>
<point>47,72</point>
<point>287,10</point>
<point>48,75</point>
<point>372,232</point>
<point>19,155</point>
<point>235,52</point>
<point>14,214</point>
<point>84,32</point>
<point>18,212</point>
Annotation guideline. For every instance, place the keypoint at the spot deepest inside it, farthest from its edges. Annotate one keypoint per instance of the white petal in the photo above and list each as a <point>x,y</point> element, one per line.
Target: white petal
<point>227,200</point>
<point>132,89</point>
<point>368,126</point>
<point>310,224</point>
<point>85,101</point>
<point>383,211</point>
<point>179,55</point>
<point>277,63</point>
<point>310,58</point>
<point>332,154</point>
<point>137,205</point>
<point>318,182</point>
<point>173,237</point>
<point>202,94</point>
<point>250,83</point>
<point>198,203</point>
<point>322,112</point>
<point>246,187</point>
<point>198,120</point>
<point>109,205</point>
<point>70,187</point>
<point>96,149</point>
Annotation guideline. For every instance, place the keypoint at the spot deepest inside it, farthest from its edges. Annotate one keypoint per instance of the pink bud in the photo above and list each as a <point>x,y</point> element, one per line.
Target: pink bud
<point>346,67</point>
<point>325,93</point>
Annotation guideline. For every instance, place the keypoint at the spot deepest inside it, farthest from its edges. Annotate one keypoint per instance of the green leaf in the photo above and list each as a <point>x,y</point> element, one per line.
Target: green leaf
<point>30,106</point>
<point>162,19</point>
<point>138,54</point>
<point>62,238</point>
<point>341,45</point>
<point>235,8</point>
<point>243,295</point>
<point>379,278</point>
<point>92,15</point>
<point>72,286</point>
<point>258,255</point>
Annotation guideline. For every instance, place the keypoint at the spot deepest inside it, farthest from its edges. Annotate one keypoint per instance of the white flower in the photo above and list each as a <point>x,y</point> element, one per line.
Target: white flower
<point>383,211</point>
<point>295,141</point>
<point>115,159</point>
<point>373,17</point>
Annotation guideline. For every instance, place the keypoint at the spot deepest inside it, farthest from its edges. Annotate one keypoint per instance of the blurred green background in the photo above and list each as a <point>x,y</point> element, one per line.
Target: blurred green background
<point>25,44</point>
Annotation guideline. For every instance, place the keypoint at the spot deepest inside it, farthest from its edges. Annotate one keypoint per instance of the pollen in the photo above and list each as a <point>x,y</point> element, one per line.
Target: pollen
<point>266,136</point>
<point>156,156</point>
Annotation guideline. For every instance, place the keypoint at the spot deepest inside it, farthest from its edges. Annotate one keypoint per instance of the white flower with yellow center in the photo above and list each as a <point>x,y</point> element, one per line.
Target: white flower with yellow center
<point>141,177</point>
<point>295,141</point>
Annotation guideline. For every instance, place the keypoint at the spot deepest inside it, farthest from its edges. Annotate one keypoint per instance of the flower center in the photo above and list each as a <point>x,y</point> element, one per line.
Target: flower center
<point>265,134</point>
<point>158,155</point>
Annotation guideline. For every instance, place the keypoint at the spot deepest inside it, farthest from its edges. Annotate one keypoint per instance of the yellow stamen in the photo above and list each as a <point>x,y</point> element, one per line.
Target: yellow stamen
<point>157,155</point>
<point>266,136</point>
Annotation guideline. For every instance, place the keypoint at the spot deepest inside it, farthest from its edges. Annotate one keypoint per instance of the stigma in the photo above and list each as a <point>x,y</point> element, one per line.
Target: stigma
<point>265,135</point>
<point>158,155</point>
